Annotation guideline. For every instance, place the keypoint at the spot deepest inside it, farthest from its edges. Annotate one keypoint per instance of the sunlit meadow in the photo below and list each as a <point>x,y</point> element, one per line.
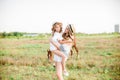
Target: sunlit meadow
<point>25,58</point>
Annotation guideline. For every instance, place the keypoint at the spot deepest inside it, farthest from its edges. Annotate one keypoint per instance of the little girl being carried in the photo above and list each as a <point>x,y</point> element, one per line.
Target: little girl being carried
<point>65,45</point>
<point>54,47</point>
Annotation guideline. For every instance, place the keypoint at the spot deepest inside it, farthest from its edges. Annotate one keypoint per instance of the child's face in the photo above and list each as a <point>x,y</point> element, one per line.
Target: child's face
<point>57,28</point>
<point>66,30</point>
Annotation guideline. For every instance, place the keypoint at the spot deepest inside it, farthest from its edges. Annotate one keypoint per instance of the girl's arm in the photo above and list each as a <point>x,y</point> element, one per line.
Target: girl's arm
<point>64,41</point>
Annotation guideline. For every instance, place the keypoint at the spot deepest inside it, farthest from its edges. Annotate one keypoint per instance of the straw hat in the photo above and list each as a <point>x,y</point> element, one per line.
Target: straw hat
<point>71,28</point>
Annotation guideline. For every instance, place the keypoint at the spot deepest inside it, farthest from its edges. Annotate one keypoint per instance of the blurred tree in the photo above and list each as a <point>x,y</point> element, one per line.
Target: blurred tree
<point>4,34</point>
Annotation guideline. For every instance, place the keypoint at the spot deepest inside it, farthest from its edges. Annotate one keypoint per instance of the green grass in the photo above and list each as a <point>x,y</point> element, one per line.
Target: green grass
<point>26,58</point>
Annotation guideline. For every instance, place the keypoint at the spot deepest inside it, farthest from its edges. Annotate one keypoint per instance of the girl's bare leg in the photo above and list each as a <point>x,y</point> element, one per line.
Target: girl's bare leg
<point>59,70</point>
<point>59,53</point>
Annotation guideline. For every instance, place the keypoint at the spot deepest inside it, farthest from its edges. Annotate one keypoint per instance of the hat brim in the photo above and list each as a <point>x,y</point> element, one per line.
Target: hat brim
<point>71,28</point>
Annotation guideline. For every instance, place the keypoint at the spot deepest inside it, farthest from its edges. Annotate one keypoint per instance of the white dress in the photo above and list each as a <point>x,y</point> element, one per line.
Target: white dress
<point>52,47</point>
<point>57,36</point>
<point>63,47</point>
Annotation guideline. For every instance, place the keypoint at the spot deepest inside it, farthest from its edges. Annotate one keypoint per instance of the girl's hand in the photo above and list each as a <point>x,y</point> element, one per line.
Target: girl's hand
<point>58,48</point>
<point>64,41</point>
<point>58,40</point>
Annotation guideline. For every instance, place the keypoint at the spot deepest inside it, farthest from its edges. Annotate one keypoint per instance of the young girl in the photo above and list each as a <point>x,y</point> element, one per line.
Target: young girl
<point>54,47</point>
<point>66,44</point>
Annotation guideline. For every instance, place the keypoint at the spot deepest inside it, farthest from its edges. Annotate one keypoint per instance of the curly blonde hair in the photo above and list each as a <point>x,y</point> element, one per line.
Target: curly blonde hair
<point>54,25</point>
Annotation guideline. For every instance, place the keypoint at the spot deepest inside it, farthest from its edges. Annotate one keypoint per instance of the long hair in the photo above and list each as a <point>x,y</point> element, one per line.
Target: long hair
<point>70,33</point>
<point>54,25</point>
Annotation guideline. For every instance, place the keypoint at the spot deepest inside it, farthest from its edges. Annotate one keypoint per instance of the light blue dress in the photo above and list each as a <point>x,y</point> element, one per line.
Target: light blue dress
<point>65,49</point>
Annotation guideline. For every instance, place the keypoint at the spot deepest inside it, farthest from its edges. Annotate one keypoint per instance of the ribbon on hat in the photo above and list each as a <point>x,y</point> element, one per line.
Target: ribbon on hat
<point>70,27</point>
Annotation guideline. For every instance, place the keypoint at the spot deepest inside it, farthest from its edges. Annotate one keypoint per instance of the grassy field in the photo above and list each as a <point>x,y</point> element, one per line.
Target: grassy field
<point>26,58</point>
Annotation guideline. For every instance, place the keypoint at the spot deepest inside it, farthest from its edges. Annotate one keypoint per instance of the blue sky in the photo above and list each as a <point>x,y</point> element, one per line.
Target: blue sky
<point>87,16</point>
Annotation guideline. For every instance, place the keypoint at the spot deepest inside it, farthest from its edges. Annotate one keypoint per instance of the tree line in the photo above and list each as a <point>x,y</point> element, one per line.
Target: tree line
<point>11,34</point>
<point>22,34</point>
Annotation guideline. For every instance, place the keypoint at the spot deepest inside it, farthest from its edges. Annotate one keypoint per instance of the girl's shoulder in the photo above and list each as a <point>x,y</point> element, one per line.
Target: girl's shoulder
<point>72,37</point>
<point>56,34</point>
<point>61,32</point>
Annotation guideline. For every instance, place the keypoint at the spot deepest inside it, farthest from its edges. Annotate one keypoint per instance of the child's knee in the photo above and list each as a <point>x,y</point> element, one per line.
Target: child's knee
<point>64,57</point>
